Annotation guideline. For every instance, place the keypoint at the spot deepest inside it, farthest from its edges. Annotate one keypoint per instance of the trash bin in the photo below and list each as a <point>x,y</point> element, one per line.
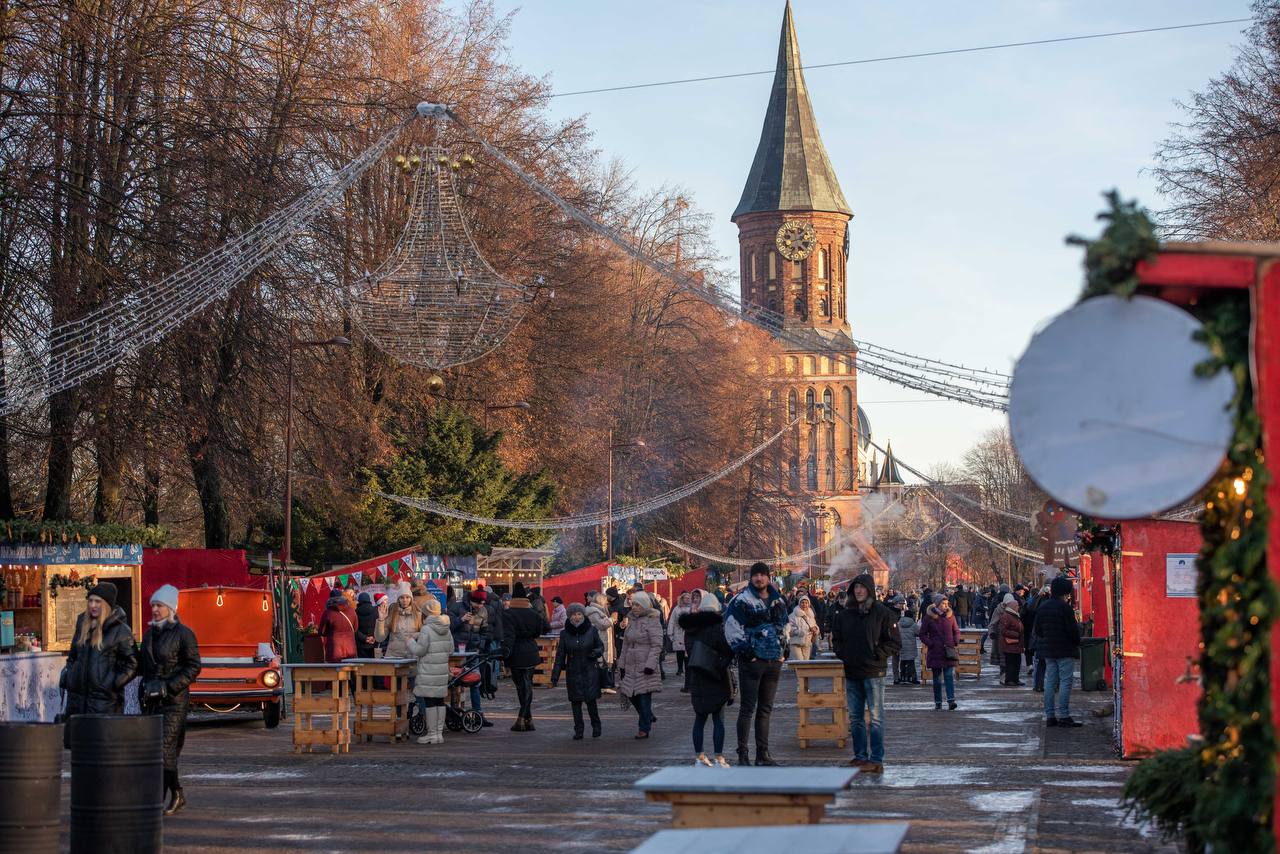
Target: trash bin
<point>117,784</point>
<point>1093,664</point>
<point>30,787</point>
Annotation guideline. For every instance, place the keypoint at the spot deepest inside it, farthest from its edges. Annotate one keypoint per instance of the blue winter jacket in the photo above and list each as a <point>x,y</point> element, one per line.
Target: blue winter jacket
<point>754,626</point>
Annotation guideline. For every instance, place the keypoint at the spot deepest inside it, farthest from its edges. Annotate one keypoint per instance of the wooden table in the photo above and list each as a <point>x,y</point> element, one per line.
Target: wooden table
<point>810,698</point>
<point>745,797</point>
<point>546,659</point>
<point>861,838</point>
<point>321,691</point>
<point>383,710</point>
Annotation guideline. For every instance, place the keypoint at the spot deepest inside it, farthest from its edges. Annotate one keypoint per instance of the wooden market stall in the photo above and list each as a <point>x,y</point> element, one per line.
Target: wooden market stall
<point>503,567</point>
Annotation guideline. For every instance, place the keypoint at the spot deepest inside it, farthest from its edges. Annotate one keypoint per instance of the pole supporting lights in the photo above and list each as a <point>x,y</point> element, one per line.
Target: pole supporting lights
<point>286,552</point>
<point>613,446</point>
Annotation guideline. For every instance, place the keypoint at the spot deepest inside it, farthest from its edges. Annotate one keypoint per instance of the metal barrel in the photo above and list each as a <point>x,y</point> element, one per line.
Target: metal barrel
<point>30,787</point>
<point>117,784</point>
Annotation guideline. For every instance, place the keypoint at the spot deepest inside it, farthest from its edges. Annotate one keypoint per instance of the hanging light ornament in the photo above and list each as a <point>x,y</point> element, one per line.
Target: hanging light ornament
<point>435,302</point>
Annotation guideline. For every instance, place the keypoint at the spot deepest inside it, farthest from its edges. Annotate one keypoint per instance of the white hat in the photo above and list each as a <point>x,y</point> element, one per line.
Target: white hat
<point>166,595</point>
<point>403,589</point>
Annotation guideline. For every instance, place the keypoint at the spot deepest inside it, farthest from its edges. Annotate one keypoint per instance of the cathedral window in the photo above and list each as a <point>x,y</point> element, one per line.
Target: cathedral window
<point>797,270</point>
<point>811,465</point>
<point>773,304</point>
<point>824,306</point>
<point>791,406</point>
<point>822,263</point>
<point>809,368</point>
<point>755,272</point>
<point>831,457</point>
<point>797,305</point>
<point>773,265</point>
<point>810,406</point>
<point>851,436</point>
<point>828,402</point>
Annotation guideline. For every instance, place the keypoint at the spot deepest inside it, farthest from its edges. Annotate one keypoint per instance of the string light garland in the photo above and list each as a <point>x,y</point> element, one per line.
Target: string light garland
<point>585,520</point>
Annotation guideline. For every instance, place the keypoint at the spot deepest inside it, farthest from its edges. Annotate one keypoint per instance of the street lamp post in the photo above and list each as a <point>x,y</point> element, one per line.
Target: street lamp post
<point>286,552</point>
<point>608,536</point>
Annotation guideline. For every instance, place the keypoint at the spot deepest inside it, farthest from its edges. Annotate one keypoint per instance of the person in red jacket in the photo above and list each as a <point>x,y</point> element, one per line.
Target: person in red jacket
<point>1009,637</point>
<point>940,633</point>
<point>338,628</point>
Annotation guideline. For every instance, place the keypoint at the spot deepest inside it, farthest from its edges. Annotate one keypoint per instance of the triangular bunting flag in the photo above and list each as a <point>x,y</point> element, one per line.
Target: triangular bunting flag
<point>342,579</point>
<point>315,583</point>
<point>358,576</point>
<point>395,564</point>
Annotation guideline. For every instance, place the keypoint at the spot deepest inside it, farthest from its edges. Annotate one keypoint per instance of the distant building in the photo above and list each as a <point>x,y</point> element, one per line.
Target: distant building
<point>793,239</point>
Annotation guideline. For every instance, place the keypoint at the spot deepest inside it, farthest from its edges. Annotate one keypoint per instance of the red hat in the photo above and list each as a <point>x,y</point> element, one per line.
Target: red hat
<point>379,599</point>
<point>478,595</point>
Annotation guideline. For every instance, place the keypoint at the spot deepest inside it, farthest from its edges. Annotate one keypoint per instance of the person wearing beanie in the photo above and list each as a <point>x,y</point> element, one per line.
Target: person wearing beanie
<point>865,638</point>
<point>638,660</point>
<point>754,625</point>
<point>710,689</point>
<point>1010,640</point>
<point>338,627</point>
<point>169,661</point>
<point>102,659</point>
<point>521,628</point>
<point>1058,643</point>
<point>403,621</point>
<point>472,628</point>
<point>366,626</point>
<point>431,647</point>
<point>578,656</point>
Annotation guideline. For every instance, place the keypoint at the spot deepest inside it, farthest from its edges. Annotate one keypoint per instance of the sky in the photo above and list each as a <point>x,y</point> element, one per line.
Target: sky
<point>965,173</point>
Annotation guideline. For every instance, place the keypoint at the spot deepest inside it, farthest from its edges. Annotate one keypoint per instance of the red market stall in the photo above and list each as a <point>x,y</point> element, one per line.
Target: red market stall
<point>376,572</point>
<point>186,569</point>
<point>571,586</point>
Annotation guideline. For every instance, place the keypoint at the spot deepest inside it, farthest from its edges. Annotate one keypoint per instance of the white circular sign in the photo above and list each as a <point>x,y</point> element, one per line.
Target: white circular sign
<point>1108,415</point>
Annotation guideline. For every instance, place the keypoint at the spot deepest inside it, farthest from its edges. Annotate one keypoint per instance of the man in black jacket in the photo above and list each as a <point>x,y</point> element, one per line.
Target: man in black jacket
<point>865,636</point>
<point>1058,642</point>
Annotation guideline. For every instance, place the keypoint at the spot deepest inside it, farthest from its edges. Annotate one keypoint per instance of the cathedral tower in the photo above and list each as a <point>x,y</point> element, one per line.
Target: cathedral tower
<point>793,243</point>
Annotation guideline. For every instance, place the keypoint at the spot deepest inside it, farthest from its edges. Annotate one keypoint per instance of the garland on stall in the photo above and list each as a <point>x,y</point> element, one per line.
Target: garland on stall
<point>55,533</point>
<point>1220,792</point>
<point>1094,537</point>
<point>73,580</point>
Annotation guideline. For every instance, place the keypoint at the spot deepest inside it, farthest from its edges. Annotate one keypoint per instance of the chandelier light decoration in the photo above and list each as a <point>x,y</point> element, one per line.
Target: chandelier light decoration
<point>435,302</point>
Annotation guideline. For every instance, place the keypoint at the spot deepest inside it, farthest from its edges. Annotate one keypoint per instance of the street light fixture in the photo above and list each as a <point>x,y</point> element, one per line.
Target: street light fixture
<point>613,446</point>
<point>286,552</point>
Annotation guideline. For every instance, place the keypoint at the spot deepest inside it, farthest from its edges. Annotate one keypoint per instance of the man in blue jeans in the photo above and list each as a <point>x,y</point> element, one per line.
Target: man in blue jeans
<point>1058,643</point>
<point>865,636</point>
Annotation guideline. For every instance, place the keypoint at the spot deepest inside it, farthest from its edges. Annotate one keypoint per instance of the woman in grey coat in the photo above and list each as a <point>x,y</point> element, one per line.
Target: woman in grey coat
<point>638,659</point>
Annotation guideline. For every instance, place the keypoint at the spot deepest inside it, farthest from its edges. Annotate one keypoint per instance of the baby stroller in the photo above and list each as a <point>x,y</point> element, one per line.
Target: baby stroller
<point>456,717</point>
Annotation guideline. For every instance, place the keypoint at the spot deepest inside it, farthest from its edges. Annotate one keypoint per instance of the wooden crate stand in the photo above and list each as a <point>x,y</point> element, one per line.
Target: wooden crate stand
<point>383,696</point>
<point>970,657</point>
<point>546,660</point>
<point>321,695</point>
<point>809,699</point>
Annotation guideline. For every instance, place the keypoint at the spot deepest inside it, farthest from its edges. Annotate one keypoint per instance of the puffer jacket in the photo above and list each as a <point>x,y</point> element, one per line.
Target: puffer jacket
<point>641,646</point>
<point>600,620</point>
<point>674,631</point>
<point>802,626</point>
<point>476,632</point>
<point>169,655</point>
<point>709,692</point>
<point>908,631</point>
<point>431,647</point>
<point>754,625</point>
<point>578,656</point>
<point>95,678</point>
<point>397,630</point>
<point>1009,637</point>
<point>522,626</point>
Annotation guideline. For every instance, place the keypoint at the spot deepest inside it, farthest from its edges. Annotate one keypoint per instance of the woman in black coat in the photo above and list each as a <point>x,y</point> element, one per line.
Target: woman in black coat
<point>170,662</point>
<point>578,655</point>
<point>103,657</point>
<point>710,690</point>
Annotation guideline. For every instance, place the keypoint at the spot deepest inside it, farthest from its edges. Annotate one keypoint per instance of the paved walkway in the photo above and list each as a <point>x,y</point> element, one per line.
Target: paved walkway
<point>986,778</point>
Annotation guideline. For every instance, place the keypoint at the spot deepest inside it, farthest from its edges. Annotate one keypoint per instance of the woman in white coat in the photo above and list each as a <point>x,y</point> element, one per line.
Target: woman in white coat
<point>802,630</point>
<point>431,647</point>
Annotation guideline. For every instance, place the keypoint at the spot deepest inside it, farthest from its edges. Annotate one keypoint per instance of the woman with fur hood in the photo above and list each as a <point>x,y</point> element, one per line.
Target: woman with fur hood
<point>638,659</point>
<point>802,629</point>
<point>938,632</point>
<point>431,647</point>
<point>578,656</point>
<point>710,691</point>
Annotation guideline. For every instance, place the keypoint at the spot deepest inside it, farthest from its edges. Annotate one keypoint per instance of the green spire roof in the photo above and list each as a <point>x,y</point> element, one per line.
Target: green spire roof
<point>791,171</point>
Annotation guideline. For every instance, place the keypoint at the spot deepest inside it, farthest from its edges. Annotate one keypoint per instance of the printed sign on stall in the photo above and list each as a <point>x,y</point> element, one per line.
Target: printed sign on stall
<point>1180,576</point>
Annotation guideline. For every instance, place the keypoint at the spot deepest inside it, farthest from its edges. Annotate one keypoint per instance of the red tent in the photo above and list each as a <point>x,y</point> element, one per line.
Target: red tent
<point>188,568</point>
<point>384,569</point>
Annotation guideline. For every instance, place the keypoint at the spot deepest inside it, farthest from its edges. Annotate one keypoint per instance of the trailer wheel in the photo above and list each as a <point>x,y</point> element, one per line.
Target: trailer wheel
<point>271,714</point>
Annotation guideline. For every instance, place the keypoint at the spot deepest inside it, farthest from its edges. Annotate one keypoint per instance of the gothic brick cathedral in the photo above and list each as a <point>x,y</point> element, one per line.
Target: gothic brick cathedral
<point>793,239</point>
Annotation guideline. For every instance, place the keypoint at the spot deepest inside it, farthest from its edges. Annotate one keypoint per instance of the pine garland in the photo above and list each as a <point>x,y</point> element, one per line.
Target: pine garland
<point>1220,793</point>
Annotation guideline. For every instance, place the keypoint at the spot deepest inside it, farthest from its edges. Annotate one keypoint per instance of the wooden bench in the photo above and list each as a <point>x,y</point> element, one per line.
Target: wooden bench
<point>745,797</point>
<point>810,699</point>
<point>546,660</point>
<point>383,710</point>
<point>321,694</point>
<point>861,838</point>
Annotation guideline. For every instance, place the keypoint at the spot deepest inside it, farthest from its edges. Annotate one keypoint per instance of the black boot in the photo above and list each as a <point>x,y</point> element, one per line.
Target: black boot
<point>577,734</point>
<point>595,729</point>
<point>744,757</point>
<point>763,757</point>
<point>179,801</point>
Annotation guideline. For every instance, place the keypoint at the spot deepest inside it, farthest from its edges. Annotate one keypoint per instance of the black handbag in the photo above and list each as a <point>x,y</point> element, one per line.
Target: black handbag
<point>705,660</point>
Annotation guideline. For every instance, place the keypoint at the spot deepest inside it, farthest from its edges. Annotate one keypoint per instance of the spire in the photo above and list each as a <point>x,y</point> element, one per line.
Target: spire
<point>791,171</point>
<point>889,475</point>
